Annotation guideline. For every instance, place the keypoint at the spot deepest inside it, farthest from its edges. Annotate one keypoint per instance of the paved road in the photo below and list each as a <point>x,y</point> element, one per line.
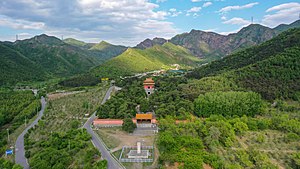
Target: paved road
<point>112,163</point>
<point>19,147</point>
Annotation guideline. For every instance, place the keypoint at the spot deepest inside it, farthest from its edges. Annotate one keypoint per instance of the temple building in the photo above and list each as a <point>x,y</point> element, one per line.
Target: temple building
<point>149,86</point>
<point>145,118</point>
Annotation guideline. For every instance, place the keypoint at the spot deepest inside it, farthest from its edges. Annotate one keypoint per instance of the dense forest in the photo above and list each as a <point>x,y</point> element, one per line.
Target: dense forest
<point>80,80</point>
<point>58,150</point>
<point>271,69</point>
<point>16,107</point>
<point>276,77</point>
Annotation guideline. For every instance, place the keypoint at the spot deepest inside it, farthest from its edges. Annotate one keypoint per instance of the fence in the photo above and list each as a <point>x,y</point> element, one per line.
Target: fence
<point>136,160</point>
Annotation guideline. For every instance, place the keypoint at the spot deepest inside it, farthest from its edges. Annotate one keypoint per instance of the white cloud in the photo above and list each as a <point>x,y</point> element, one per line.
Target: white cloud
<point>283,6</point>
<point>20,24</point>
<point>224,18</point>
<point>195,9</point>
<point>196,0</point>
<point>284,13</point>
<point>173,12</point>
<point>237,21</point>
<point>206,4</point>
<point>230,8</point>
<point>112,20</point>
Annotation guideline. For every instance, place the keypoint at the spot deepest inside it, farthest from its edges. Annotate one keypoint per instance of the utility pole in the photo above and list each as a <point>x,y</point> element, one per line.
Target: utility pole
<point>17,37</point>
<point>251,19</point>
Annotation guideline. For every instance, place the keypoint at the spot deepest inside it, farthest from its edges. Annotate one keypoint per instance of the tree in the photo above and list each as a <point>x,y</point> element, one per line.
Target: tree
<point>128,125</point>
<point>240,127</point>
<point>17,166</point>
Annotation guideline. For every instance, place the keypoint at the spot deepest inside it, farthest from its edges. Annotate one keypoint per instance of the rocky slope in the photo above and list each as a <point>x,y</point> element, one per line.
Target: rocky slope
<point>148,43</point>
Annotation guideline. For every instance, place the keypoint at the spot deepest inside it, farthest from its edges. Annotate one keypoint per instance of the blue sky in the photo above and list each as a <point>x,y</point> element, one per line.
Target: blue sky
<point>128,22</point>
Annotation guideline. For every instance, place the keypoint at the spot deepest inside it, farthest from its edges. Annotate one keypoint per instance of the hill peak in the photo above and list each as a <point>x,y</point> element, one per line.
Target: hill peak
<point>104,43</point>
<point>74,42</point>
<point>148,43</point>
<point>42,39</point>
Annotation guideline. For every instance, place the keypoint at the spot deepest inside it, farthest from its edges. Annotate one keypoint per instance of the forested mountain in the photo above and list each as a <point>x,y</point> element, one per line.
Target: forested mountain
<point>136,60</point>
<point>271,69</point>
<point>106,50</point>
<point>16,67</point>
<point>102,50</point>
<point>283,27</point>
<point>42,57</point>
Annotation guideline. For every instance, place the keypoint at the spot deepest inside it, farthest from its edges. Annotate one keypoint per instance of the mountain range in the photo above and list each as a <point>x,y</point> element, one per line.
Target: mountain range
<point>45,57</point>
<point>212,46</point>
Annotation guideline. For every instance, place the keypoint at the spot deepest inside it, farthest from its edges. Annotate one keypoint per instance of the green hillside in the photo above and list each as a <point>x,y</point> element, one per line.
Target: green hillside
<point>136,60</point>
<point>276,77</point>
<point>15,67</point>
<point>271,69</point>
<point>105,50</point>
<point>251,55</point>
<point>75,42</point>
<point>41,58</point>
<point>101,46</point>
<point>283,27</point>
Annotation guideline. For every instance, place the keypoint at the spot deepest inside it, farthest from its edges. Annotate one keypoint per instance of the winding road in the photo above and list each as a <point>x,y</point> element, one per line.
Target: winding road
<point>112,163</point>
<point>19,147</point>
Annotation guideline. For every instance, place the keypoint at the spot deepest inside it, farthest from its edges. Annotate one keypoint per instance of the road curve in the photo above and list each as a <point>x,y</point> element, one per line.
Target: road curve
<point>112,163</point>
<point>19,147</point>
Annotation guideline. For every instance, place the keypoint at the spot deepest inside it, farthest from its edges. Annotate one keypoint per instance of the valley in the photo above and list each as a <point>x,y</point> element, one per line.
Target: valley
<point>198,99</point>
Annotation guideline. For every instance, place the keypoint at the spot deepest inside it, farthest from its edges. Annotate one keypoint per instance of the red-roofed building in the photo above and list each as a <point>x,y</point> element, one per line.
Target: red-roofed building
<point>107,122</point>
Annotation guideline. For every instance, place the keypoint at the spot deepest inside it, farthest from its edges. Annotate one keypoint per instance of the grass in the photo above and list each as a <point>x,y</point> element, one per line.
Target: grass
<point>117,153</point>
<point>114,138</point>
<point>109,141</point>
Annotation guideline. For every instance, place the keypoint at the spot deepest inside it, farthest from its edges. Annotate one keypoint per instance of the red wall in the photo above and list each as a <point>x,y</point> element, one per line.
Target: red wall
<point>151,86</point>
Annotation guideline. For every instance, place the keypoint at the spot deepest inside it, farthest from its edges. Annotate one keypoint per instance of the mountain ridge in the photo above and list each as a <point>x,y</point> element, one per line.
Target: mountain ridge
<point>271,68</point>
<point>212,46</point>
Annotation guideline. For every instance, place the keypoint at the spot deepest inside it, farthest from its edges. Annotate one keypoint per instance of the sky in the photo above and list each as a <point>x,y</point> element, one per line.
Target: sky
<point>128,22</point>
